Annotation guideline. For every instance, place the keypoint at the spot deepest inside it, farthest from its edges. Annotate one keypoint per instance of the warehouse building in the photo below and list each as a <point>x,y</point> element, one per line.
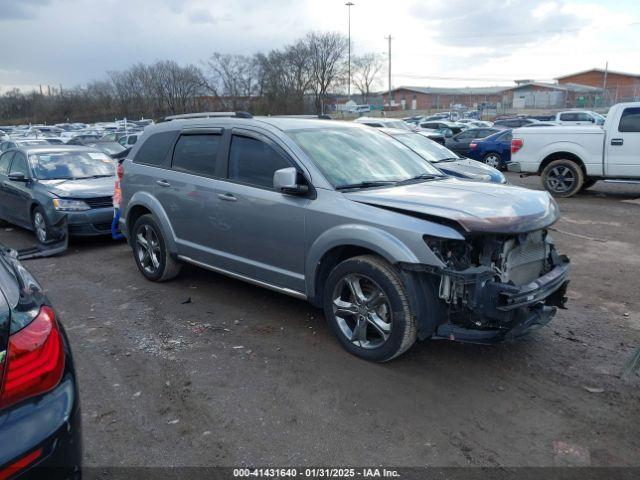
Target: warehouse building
<point>621,87</point>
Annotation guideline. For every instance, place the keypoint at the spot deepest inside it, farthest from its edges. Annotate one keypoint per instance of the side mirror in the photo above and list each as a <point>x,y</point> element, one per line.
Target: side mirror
<point>285,180</point>
<point>18,177</point>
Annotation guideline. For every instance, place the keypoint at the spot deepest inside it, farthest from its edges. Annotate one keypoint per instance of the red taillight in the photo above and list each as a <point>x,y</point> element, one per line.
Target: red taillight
<point>473,145</point>
<point>35,359</point>
<point>20,465</point>
<point>120,171</point>
<point>516,144</point>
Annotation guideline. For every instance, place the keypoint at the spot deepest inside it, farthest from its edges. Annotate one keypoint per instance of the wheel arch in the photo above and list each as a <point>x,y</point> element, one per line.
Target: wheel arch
<point>143,203</point>
<point>563,155</point>
<point>347,241</point>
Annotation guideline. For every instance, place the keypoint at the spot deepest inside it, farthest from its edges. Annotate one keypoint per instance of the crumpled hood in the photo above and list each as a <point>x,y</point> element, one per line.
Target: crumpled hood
<point>85,188</point>
<point>477,207</point>
<point>471,169</point>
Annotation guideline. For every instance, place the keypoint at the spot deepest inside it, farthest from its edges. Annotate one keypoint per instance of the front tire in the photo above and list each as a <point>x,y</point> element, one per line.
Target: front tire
<point>150,251</point>
<point>40,225</point>
<point>562,178</point>
<point>367,308</point>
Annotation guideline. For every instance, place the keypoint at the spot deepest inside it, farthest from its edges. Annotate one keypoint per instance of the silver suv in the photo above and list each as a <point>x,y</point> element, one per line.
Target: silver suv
<point>348,218</point>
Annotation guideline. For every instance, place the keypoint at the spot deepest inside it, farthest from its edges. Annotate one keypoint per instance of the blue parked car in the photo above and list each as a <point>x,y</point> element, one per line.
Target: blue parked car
<point>494,150</point>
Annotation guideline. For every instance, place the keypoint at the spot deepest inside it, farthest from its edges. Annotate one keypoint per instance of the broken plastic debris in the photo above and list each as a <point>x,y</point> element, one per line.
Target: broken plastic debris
<point>594,389</point>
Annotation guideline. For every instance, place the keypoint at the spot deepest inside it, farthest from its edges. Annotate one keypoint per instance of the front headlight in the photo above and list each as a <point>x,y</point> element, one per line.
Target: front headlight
<point>65,205</point>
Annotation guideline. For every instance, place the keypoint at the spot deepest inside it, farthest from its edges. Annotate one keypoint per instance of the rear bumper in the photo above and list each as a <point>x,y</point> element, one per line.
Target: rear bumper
<point>50,422</point>
<point>499,311</point>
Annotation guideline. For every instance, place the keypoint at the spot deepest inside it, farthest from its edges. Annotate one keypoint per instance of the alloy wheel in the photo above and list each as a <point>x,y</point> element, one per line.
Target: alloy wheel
<point>40,226</point>
<point>561,179</point>
<point>492,160</point>
<point>148,249</point>
<point>362,311</point>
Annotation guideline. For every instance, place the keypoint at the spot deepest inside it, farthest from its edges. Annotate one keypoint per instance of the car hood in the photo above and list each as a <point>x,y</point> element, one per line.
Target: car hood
<point>84,188</point>
<point>475,207</point>
<point>472,169</point>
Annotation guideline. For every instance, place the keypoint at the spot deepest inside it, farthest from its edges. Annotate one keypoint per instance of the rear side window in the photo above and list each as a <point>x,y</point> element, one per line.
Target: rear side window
<point>630,120</point>
<point>196,154</point>
<point>154,151</point>
<point>507,137</point>
<point>254,162</point>
<point>5,161</point>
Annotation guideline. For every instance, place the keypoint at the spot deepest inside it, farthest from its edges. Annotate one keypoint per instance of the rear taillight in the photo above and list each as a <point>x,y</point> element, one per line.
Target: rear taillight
<point>120,171</point>
<point>35,359</point>
<point>516,144</point>
<point>473,145</point>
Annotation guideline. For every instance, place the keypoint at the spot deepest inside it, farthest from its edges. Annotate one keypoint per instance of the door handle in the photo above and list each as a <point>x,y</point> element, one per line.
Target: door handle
<point>229,197</point>
<point>617,141</point>
<point>163,183</point>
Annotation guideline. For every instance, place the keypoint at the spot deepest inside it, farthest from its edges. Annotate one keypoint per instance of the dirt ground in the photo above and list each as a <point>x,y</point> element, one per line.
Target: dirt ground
<point>206,370</point>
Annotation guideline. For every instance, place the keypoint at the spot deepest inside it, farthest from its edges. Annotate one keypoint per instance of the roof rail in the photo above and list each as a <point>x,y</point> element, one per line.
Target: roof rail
<point>207,115</point>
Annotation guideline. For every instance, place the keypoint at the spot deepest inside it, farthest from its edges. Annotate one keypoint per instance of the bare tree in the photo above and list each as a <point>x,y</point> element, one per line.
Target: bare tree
<point>366,70</point>
<point>232,78</point>
<point>327,61</point>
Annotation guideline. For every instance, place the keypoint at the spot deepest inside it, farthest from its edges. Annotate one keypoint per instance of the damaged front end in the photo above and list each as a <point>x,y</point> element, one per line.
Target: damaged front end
<point>498,286</point>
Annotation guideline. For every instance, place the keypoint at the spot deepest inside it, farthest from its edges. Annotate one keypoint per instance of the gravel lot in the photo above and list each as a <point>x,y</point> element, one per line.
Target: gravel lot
<point>206,370</point>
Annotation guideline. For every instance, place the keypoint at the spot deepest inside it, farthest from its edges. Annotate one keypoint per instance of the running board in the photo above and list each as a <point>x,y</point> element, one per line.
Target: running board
<point>237,276</point>
<point>632,182</point>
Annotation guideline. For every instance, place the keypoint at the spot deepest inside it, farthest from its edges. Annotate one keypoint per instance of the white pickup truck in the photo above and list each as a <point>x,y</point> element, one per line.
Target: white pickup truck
<point>571,159</point>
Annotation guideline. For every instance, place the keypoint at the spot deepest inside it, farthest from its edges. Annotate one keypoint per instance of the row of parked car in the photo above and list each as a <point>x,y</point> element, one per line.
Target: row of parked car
<point>393,235</point>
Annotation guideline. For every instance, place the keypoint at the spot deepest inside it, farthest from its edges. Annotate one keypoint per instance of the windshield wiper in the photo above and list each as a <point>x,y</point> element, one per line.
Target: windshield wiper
<point>94,176</point>
<point>366,184</point>
<point>422,176</point>
<point>448,159</point>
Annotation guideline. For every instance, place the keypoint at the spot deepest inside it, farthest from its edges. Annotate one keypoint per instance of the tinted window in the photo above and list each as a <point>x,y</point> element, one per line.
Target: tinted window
<point>584,117</point>
<point>196,154</point>
<point>506,137</point>
<point>5,161</point>
<point>630,120</point>
<point>19,165</point>
<point>569,117</point>
<point>254,162</point>
<point>154,150</point>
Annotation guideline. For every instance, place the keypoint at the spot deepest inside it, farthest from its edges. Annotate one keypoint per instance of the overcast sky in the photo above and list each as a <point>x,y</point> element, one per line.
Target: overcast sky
<point>436,42</point>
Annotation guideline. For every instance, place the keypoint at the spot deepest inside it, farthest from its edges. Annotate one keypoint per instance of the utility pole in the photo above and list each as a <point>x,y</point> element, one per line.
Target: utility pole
<point>604,85</point>
<point>349,5</point>
<point>389,38</point>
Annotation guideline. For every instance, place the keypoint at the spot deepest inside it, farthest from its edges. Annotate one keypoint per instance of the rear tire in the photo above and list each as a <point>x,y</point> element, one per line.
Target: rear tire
<point>368,310</point>
<point>562,178</point>
<point>150,251</point>
<point>493,159</point>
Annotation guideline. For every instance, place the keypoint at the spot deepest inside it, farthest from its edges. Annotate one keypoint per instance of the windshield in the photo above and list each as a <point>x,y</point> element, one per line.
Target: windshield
<point>353,155</point>
<point>427,149</point>
<point>71,165</point>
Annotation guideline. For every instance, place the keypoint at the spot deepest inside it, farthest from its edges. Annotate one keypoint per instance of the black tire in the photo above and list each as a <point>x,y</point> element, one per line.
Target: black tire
<point>562,178</point>
<point>154,261</point>
<point>588,183</point>
<point>389,328</point>
<point>40,225</point>
<point>493,159</point>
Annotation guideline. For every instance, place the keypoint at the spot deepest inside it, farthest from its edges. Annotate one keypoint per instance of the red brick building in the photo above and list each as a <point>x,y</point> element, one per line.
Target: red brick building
<point>620,86</point>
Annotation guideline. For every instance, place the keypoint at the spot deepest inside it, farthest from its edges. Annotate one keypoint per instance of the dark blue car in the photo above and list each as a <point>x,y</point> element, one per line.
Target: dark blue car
<point>40,431</point>
<point>494,150</point>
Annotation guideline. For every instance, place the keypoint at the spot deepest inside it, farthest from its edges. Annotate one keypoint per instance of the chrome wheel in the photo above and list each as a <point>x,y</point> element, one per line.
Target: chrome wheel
<point>561,179</point>
<point>362,311</point>
<point>493,160</point>
<point>40,226</point>
<point>148,249</point>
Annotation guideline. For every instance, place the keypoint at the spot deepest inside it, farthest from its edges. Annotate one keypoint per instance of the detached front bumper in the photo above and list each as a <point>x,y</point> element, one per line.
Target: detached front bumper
<point>500,311</point>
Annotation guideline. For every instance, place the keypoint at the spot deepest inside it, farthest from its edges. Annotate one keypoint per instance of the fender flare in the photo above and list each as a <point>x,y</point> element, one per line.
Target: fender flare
<point>371,238</point>
<point>144,199</point>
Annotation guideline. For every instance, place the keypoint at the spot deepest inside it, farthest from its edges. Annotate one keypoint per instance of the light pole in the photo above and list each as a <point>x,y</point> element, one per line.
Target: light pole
<point>349,5</point>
